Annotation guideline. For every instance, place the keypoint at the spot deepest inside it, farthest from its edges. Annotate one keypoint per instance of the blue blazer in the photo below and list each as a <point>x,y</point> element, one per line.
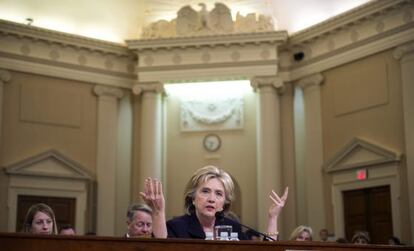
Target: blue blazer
<point>188,227</point>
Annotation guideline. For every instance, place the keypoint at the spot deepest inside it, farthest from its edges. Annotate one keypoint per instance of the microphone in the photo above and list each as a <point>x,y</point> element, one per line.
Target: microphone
<point>220,216</point>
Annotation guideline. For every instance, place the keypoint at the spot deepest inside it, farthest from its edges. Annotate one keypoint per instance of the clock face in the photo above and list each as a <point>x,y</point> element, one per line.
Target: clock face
<point>211,142</point>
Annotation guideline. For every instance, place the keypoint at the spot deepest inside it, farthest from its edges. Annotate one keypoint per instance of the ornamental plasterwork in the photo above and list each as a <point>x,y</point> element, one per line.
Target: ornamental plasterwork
<point>41,51</point>
<point>190,22</point>
<point>205,115</point>
<point>375,26</point>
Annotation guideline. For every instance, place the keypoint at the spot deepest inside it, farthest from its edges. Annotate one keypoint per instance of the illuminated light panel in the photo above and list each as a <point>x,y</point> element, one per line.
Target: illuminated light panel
<point>362,174</point>
<point>209,90</point>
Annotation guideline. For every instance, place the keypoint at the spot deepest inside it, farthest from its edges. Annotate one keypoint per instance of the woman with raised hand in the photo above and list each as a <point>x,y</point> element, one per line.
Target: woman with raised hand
<point>154,198</point>
<point>208,195</point>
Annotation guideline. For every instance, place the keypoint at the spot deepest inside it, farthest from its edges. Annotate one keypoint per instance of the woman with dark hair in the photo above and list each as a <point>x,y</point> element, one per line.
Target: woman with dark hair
<point>208,196</point>
<point>40,219</point>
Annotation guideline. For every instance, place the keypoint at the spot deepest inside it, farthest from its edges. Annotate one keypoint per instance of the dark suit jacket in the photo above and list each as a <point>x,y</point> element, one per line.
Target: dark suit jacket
<point>188,227</point>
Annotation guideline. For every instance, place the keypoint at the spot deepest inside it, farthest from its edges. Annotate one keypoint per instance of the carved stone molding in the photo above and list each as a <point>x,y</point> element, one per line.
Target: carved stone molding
<point>61,38</point>
<point>356,16</point>
<point>5,76</point>
<point>360,153</point>
<point>364,31</point>
<point>213,114</point>
<point>275,82</point>
<point>101,90</point>
<point>40,51</point>
<point>313,80</point>
<point>156,87</point>
<point>190,22</point>
<point>271,37</point>
<point>403,50</point>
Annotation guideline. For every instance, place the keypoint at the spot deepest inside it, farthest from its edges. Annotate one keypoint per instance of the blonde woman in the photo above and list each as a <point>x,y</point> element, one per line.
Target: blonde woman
<point>301,233</point>
<point>208,194</point>
<point>40,219</point>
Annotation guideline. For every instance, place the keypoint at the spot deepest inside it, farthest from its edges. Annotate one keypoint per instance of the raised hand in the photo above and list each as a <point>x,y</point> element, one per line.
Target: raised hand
<point>153,195</point>
<point>278,202</point>
<point>154,198</point>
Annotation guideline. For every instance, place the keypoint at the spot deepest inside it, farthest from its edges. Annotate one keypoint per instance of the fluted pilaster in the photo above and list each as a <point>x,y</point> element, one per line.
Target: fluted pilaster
<point>106,159</point>
<point>5,77</point>
<point>269,154</point>
<point>313,159</point>
<point>405,54</point>
<point>151,130</point>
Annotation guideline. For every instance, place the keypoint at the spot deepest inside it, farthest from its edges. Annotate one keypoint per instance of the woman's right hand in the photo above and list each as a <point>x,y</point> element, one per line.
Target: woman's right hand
<point>153,195</point>
<point>154,198</point>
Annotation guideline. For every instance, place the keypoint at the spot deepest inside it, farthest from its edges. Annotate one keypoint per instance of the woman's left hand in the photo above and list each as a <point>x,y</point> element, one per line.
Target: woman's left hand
<point>278,202</point>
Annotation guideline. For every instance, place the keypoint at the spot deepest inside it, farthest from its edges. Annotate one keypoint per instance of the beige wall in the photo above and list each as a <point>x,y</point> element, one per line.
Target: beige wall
<point>237,155</point>
<point>363,99</point>
<point>42,113</point>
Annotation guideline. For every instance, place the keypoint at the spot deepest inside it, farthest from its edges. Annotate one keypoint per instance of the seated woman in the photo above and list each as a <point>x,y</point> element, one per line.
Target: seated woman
<point>40,219</point>
<point>361,237</point>
<point>208,195</point>
<point>301,233</point>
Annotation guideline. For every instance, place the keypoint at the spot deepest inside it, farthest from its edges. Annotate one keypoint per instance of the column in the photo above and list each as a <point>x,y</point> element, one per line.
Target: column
<point>4,78</point>
<point>313,154</point>
<point>269,155</point>
<point>151,158</point>
<point>405,54</point>
<point>106,159</point>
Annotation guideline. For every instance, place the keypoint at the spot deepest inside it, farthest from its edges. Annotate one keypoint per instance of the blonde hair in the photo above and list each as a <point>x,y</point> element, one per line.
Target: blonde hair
<point>138,207</point>
<point>40,207</point>
<point>361,235</point>
<point>297,231</point>
<point>201,176</point>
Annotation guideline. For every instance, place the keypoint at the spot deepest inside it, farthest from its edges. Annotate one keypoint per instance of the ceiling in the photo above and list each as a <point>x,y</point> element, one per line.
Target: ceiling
<point>119,20</point>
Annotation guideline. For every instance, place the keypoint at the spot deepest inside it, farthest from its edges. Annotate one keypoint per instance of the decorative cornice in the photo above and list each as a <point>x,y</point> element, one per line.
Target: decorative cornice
<point>346,20</point>
<point>403,50</point>
<point>350,53</point>
<point>65,39</point>
<point>364,31</point>
<point>312,80</point>
<point>274,37</point>
<point>100,91</point>
<point>5,76</point>
<point>156,87</point>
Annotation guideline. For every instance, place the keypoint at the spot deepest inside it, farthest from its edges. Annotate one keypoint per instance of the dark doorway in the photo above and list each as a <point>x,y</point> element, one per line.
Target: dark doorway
<point>64,209</point>
<point>369,209</point>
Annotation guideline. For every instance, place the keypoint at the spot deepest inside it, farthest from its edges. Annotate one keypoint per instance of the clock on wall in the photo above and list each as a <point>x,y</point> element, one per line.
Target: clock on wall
<point>212,142</point>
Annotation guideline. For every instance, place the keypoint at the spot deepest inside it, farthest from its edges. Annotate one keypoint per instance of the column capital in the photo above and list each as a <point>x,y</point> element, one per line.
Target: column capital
<point>311,80</point>
<point>5,76</point>
<point>403,50</point>
<point>101,90</point>
<point>268,81</point>
<point>156,87</point>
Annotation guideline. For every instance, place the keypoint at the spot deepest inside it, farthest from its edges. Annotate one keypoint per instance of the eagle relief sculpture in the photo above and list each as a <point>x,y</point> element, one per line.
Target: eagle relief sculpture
<point>190,22</point>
